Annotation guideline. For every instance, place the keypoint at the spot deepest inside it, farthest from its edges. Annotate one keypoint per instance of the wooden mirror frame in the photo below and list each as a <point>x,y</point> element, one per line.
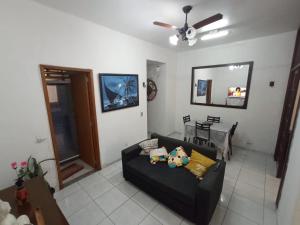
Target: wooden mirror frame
<point>250,63</point>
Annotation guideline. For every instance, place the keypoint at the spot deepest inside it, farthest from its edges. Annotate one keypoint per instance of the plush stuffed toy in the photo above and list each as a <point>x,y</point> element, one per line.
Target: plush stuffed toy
<point>178,157</point>
<point>8,219</point>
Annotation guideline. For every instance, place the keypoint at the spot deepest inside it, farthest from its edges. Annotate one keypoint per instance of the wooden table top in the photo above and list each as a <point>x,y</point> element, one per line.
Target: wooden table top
<point>40,197</point>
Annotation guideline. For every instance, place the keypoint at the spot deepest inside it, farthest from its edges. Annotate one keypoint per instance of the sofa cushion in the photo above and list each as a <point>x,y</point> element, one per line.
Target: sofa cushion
<point>158,155</point>
<point>171,143</point>
<point>178,183</point>
<point>177,158</point>
<point>199,164</point>
<point>148,145</point>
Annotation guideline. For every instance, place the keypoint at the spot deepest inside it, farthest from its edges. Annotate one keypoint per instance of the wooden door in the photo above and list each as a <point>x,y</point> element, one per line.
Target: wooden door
<point>208,91</point>
<point>285,133</point>
<point>80,94</point>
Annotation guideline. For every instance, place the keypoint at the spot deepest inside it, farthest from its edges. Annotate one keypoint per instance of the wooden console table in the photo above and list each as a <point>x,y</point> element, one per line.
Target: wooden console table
<point>39,197</point>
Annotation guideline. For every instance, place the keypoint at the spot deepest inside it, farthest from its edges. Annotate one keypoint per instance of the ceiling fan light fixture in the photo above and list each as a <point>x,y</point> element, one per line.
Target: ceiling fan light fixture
<point>214,34</point>
<point>191,33</point>
<point>173,39</point>
<point>192,41</point>
<point>215,25</point>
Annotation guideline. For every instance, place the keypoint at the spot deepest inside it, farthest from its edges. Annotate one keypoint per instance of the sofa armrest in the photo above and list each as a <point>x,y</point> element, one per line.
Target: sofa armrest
<point>207,151</point>
<point>131,152</point>
<point>209,191</point>
<point>128,154</point>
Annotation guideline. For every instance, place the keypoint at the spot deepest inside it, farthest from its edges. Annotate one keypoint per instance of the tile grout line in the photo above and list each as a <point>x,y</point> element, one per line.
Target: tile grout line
<point>92,199</point>
<point>243,215</point>
<point>149,213</point>
<point>227,207</point>
<point>81,188</point>
<point>129,198</point>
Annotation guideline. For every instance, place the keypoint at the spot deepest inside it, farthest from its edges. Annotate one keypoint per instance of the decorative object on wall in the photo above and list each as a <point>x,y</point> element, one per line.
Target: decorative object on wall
<point>151,90</point>
<point>201,87</point>
<point>223,85</point>
<point>27,170</point>
<point>118,91</point>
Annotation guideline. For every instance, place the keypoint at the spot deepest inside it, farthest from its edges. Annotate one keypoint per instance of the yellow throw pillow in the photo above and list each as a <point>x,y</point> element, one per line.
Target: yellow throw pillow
<point>199,164</point>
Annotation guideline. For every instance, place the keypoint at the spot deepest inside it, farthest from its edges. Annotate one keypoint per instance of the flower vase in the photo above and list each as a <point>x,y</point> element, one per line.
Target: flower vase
<point>21,193</point>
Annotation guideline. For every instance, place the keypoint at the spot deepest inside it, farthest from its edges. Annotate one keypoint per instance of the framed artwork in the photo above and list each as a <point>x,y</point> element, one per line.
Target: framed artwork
<point>118,91</point>
<point>201,87</point>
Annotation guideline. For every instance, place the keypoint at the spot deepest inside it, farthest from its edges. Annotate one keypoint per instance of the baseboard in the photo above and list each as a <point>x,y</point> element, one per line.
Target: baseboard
<point>250,149</point>
<point>174,132</point>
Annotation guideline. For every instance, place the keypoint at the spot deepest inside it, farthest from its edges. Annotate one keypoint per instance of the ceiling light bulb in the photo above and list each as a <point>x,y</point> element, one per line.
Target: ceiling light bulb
<point>173,39</point>
<point>192,41</point>
<point>191,33</point>
<point>215,34</point>
<point>215,25</point>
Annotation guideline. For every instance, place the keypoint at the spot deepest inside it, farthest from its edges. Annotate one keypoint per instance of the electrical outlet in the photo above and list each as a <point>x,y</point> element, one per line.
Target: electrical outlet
<point>142,114</point>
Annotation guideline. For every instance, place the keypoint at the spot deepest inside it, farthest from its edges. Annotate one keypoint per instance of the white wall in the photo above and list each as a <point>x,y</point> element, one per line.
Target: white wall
<point>258,124</point>
<point>156,110</point>
<point>289,205</point>
<point>32,34</point>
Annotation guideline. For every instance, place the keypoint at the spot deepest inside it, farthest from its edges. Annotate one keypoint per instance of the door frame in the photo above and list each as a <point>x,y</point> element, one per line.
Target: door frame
<point>89,74</point>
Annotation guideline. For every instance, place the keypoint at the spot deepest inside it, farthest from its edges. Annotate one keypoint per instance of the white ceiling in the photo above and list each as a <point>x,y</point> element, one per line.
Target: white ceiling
<point>247,18</point>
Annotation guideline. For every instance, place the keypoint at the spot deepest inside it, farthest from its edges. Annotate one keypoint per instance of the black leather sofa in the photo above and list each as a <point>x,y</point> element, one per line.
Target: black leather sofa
<point>176,188</point>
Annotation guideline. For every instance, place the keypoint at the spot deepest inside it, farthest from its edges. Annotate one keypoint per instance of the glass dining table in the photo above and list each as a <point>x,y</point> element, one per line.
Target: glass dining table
<point>219,134</point>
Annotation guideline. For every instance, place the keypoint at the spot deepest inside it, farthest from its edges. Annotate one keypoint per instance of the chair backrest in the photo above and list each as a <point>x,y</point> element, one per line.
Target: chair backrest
<point>186,119</point>
<point>202,127</point>
<point>233,128</point>
<point>214,119</point>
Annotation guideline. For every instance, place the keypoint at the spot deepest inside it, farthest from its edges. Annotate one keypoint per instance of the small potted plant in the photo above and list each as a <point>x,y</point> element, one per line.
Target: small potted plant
<point>26,171</point>
<point>34,169</point>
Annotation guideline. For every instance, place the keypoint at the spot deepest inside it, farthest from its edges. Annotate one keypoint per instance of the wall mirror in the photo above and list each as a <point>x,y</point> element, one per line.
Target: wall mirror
<point>224,85</point>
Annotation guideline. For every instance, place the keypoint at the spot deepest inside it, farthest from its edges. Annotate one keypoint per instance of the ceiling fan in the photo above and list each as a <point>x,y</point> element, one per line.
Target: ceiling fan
<point>188,33</point>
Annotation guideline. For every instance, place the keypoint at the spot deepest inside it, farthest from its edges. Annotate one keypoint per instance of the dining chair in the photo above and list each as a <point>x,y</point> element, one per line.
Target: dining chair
<point>185,120</point>
<point>202,134</point>
<point>214,119</point>
<point>232,131</point>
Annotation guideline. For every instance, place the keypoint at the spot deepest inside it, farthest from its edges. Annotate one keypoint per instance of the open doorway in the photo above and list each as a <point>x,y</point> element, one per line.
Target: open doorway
<point>70,102</point>
<point>156,92</point>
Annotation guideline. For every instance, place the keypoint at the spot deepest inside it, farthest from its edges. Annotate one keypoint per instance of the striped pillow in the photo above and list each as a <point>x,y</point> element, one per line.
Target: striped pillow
<point>148,145</point>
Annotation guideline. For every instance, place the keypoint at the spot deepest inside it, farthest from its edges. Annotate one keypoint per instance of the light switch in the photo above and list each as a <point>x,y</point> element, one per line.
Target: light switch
<point>39,140</point>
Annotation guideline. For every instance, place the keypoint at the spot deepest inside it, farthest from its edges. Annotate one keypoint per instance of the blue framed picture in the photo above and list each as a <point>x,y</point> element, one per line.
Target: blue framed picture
<point>118,91</point>
<point>201,87</point>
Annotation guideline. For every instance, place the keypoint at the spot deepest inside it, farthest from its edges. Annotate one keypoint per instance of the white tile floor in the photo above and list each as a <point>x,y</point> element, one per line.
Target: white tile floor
<point>103,198</point>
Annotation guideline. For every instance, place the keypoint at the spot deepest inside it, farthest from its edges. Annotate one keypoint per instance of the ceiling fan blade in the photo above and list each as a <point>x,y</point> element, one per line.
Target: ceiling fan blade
<point>165,25</point>
<point>208,20</point>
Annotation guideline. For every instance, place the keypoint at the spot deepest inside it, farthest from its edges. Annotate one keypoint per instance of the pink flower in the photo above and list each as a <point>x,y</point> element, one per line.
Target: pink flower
<point>14,165</point>
<point>23,164</point>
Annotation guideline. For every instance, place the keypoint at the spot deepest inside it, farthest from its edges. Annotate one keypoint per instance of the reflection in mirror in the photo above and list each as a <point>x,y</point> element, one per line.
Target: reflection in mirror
<point>225,85</point>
